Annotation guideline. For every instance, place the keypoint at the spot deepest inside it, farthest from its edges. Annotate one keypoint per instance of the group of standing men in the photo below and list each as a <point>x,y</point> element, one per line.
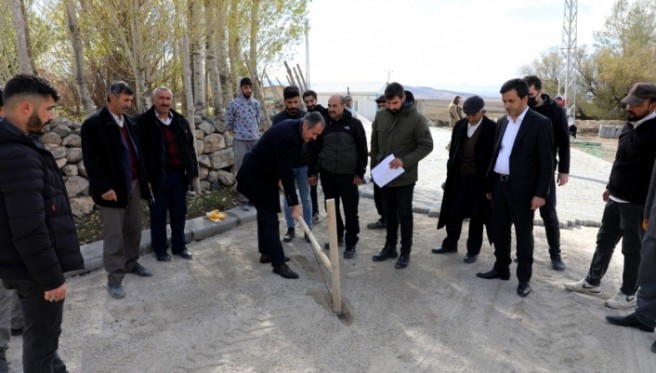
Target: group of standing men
<point>151,157</point>
<point>498,174</point>
<point>331,145</point>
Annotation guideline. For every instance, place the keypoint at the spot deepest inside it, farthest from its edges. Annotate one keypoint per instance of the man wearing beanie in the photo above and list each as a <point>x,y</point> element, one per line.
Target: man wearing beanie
<point>292,97</point>
<point>472,141</point>
<point>543,104</point>
<point>243,120</point>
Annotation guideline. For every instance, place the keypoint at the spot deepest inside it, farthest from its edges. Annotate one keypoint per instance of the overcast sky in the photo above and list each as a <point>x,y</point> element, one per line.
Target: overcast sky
<point>461,45</point>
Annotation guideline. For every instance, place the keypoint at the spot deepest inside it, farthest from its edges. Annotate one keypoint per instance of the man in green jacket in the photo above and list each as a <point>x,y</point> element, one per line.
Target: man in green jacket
<point>399,130</point>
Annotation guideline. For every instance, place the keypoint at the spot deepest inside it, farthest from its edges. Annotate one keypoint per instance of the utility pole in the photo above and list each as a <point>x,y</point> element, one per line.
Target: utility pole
<point>307,54</point>
<point>566,86</point>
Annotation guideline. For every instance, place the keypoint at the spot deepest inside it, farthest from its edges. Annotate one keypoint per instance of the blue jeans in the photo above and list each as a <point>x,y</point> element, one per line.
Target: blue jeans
<point>301,177</point>
<point>170,197</point>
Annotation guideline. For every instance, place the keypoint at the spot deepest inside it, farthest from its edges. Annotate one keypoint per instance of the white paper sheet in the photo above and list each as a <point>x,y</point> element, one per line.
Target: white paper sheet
<point>383,174</point>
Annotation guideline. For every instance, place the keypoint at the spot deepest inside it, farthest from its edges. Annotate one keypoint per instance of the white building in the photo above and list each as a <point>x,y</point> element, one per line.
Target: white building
<point>364,95</point>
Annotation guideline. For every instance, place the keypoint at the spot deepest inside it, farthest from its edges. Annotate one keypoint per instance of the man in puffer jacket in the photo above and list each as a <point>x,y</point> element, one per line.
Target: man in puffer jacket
<point>399,130</point>
<point>38,242</point>
<point>340,153</point>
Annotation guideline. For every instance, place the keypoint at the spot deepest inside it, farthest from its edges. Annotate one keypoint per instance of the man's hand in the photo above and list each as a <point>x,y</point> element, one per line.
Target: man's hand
<point>109,195</point>
<point>488,195</point>
<point>562,179</point>
<point>396,163</point>
<point>55,295</point>
<point>297,212</point>
<point>536,203</point>
<point>312,180</point>
<point>605,195</point>
<point>357,180</point>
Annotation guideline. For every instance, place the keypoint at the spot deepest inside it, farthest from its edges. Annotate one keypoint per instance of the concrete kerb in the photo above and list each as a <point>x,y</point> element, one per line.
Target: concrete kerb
<point>195,230</point>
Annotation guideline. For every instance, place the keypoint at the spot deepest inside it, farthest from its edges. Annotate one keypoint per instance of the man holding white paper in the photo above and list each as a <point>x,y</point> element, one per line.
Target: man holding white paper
<point>402,132</point>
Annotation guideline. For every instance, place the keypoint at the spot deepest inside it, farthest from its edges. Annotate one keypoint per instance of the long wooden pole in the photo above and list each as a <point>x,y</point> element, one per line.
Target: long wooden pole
<point>334,256</point>
<point>333,263</point>
<point>315,245</point>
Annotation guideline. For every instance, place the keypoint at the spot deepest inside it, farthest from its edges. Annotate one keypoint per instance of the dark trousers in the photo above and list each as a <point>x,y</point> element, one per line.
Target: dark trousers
<point>378,201</point>
<point>171,197</point>
<point>397,202</point>
<point>506,211</point>
<point>466,202</point>
<point>620,220</point>
<point>550,219</point>
<point>42,328</point>
<point>315,200</point>
<point>341,187</point>
<point>646,310</point>
<point>268,236</point>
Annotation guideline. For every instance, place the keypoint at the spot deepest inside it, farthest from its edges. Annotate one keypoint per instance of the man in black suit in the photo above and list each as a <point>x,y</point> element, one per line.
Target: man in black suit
<point>518,181</point>
<point>269,162</point>
<point>471,147</point>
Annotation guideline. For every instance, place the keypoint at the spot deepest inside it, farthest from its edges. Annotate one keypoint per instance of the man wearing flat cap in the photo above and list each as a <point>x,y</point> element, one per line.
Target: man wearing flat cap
<point>472,141</point>
<point>625,196</point>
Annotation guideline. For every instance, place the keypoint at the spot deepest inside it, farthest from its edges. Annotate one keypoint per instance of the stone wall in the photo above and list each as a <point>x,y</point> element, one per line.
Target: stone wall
<point>213,149</point>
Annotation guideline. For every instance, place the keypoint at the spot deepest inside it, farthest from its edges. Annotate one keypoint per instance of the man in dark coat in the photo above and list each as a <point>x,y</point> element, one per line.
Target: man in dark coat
<point>292,110</point>
<point>167,143</point>
<point>269,163</point>
<point>544,105</point>
<point>472,141</point>
<point>117,181</point>
<point>625,196</point>
<point>518,181</point>
<point>38,242</point>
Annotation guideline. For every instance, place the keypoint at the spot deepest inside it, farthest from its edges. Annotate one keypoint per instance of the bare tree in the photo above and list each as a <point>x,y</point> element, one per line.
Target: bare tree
<point>25,62</point>
<point>212,61</point>
<point>198,55</point>
<point>78,56</point>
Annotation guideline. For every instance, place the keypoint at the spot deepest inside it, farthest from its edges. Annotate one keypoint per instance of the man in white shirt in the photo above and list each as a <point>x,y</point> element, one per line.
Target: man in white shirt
<point>518,181</point>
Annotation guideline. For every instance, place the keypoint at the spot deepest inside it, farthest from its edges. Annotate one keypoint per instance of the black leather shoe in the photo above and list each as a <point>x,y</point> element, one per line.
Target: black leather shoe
<point>557,263</point>
<point>523,289</point>
<point>289,236</point>
<point>493,274</point>
<point>264,258</point>
<point>141,271</point>
<point>184,254</point>
<point>163,258</point>
<point>443,250</point>
<point>385,254</point>
<point>470,258</point>
<point>379,224</point>
<point>284,271</point>
<point>629,320</point>
<point>402,262</point>
<point>349,253</point>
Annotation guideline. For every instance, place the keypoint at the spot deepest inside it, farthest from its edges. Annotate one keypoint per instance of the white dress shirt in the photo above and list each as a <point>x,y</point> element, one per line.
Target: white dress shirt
<point>502,165</point>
